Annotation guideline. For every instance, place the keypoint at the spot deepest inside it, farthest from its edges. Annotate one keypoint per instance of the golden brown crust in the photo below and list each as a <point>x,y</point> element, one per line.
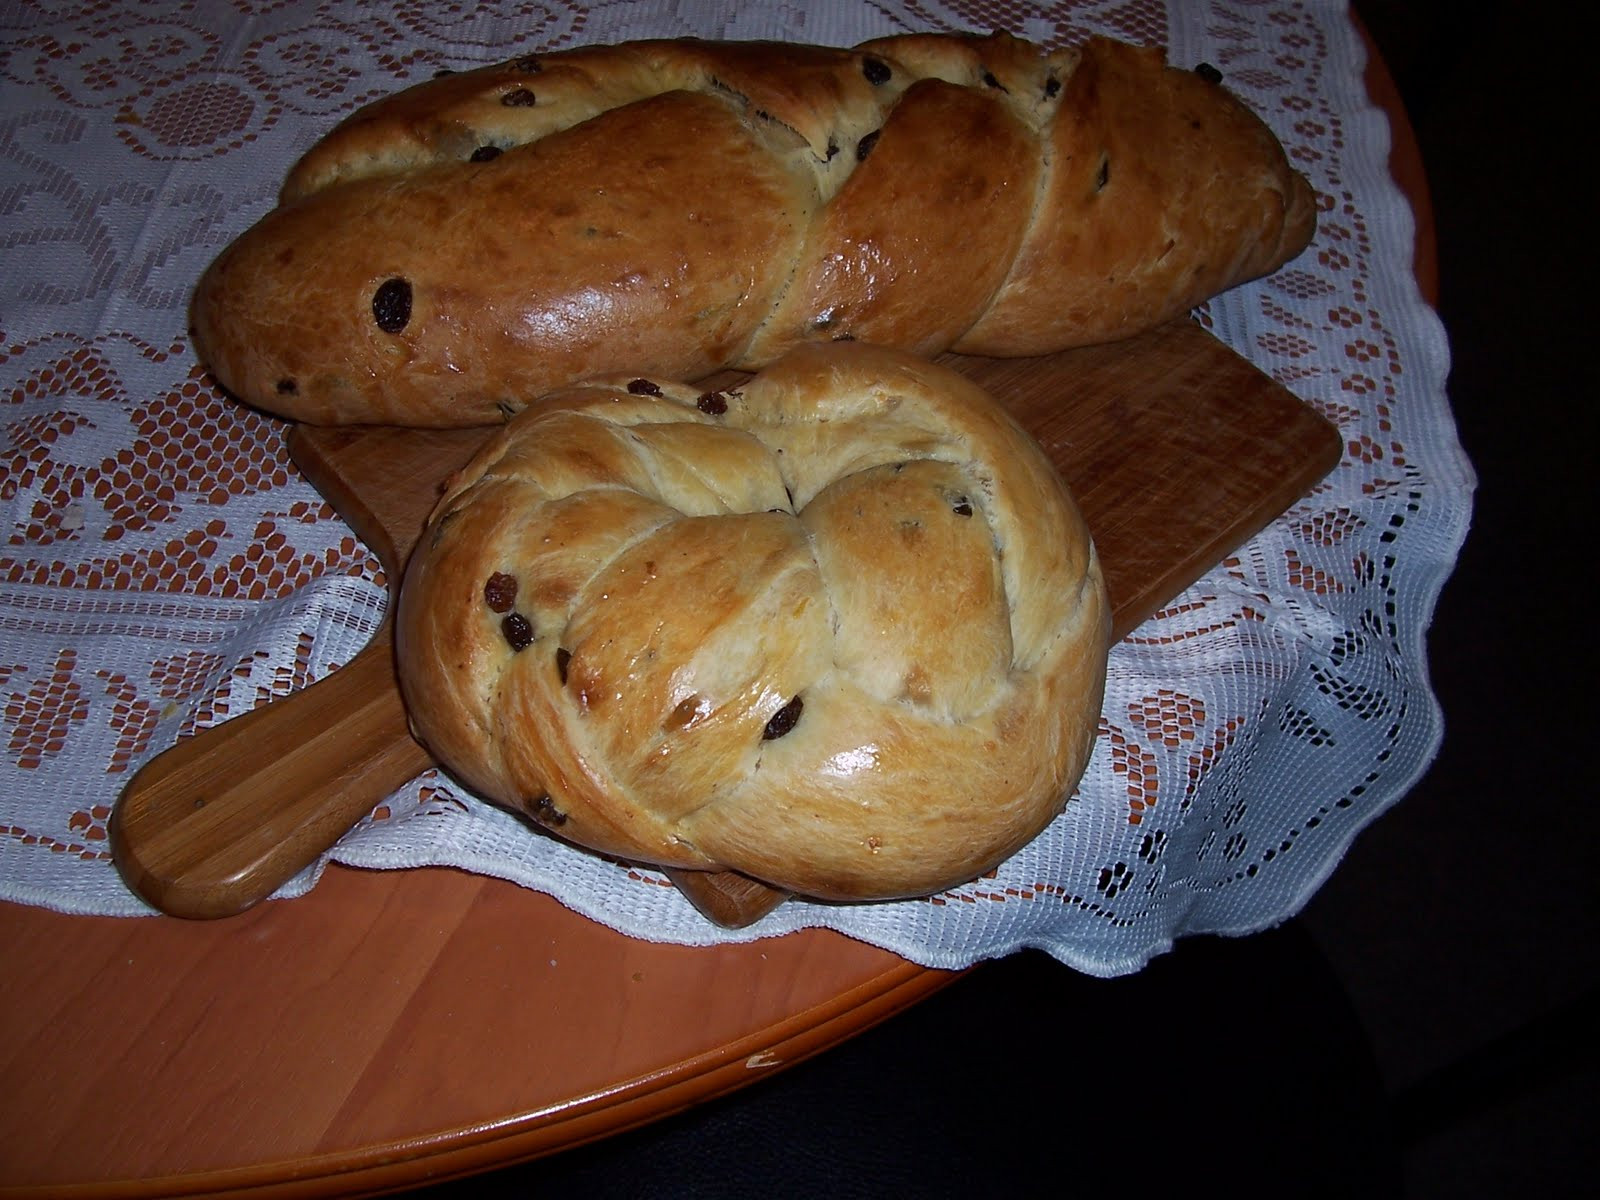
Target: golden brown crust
<point>842,629</point>
<point>1129,140</point>
<point>680,206</point>
<point>904,228</point>
<point>669,271</point>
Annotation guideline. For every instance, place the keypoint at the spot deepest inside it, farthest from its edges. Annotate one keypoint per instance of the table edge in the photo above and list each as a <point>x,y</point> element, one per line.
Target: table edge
<point>457,1153</point>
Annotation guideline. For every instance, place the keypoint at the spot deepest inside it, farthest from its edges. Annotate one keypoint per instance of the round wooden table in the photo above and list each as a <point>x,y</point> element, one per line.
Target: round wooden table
<point>395,1028</point>
<point>387,1028</point>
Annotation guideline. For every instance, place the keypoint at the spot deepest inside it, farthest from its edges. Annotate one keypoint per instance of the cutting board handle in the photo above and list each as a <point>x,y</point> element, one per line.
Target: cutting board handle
<point>227,816</point>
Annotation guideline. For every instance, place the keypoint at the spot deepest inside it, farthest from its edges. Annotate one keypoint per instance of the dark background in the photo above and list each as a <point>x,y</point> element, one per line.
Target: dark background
<point>1426,1027</point>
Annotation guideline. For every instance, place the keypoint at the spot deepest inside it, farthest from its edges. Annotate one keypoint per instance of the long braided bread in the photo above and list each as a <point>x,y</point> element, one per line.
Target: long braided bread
<point>676,207</point>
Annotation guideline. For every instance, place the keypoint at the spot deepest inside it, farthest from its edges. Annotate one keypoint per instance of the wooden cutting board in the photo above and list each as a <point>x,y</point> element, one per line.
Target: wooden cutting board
<point>1176,449</point>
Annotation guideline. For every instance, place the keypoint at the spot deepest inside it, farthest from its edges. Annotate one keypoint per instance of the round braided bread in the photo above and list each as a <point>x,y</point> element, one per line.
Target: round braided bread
<point>841,629</point>
<point>685,206</point>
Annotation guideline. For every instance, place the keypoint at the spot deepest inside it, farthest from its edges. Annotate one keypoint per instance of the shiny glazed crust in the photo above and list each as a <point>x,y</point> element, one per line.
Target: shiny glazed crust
<point>450,252</point>
<point>841,628</point>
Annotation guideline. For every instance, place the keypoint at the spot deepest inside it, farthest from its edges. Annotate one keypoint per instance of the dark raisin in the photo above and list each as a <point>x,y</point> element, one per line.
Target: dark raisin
<point>643,387</point>
<point>712,403</point>
<point>989,80</point>
<point>876,70</point>
<point>529,64</point>
<point>683,716</point>
<point>563,657</point>
<point>962,507</point>
<point>518,631</point>
<point>1104,175</point>
<point>288,387</point>
<point>486,153</point>
<point>785,719</point>
<point>521,98</point>
<point>865,145</point>
<point>546,813</point>
<point>391,305</point>
<point>833,148</point>
<point>1052,88</point>
<point>500,592</point>
<point>1209,73</point>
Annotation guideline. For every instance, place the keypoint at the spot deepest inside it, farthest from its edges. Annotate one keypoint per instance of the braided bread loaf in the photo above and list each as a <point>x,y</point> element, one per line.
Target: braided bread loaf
<point>684,206</point>
<point>841,629</point>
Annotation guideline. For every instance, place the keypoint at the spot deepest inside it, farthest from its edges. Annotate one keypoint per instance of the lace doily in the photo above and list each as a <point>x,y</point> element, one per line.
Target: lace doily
<point>166,567</point>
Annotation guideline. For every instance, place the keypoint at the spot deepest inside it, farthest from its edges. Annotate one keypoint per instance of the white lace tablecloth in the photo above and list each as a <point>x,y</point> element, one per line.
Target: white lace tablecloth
<point>165,566</point>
